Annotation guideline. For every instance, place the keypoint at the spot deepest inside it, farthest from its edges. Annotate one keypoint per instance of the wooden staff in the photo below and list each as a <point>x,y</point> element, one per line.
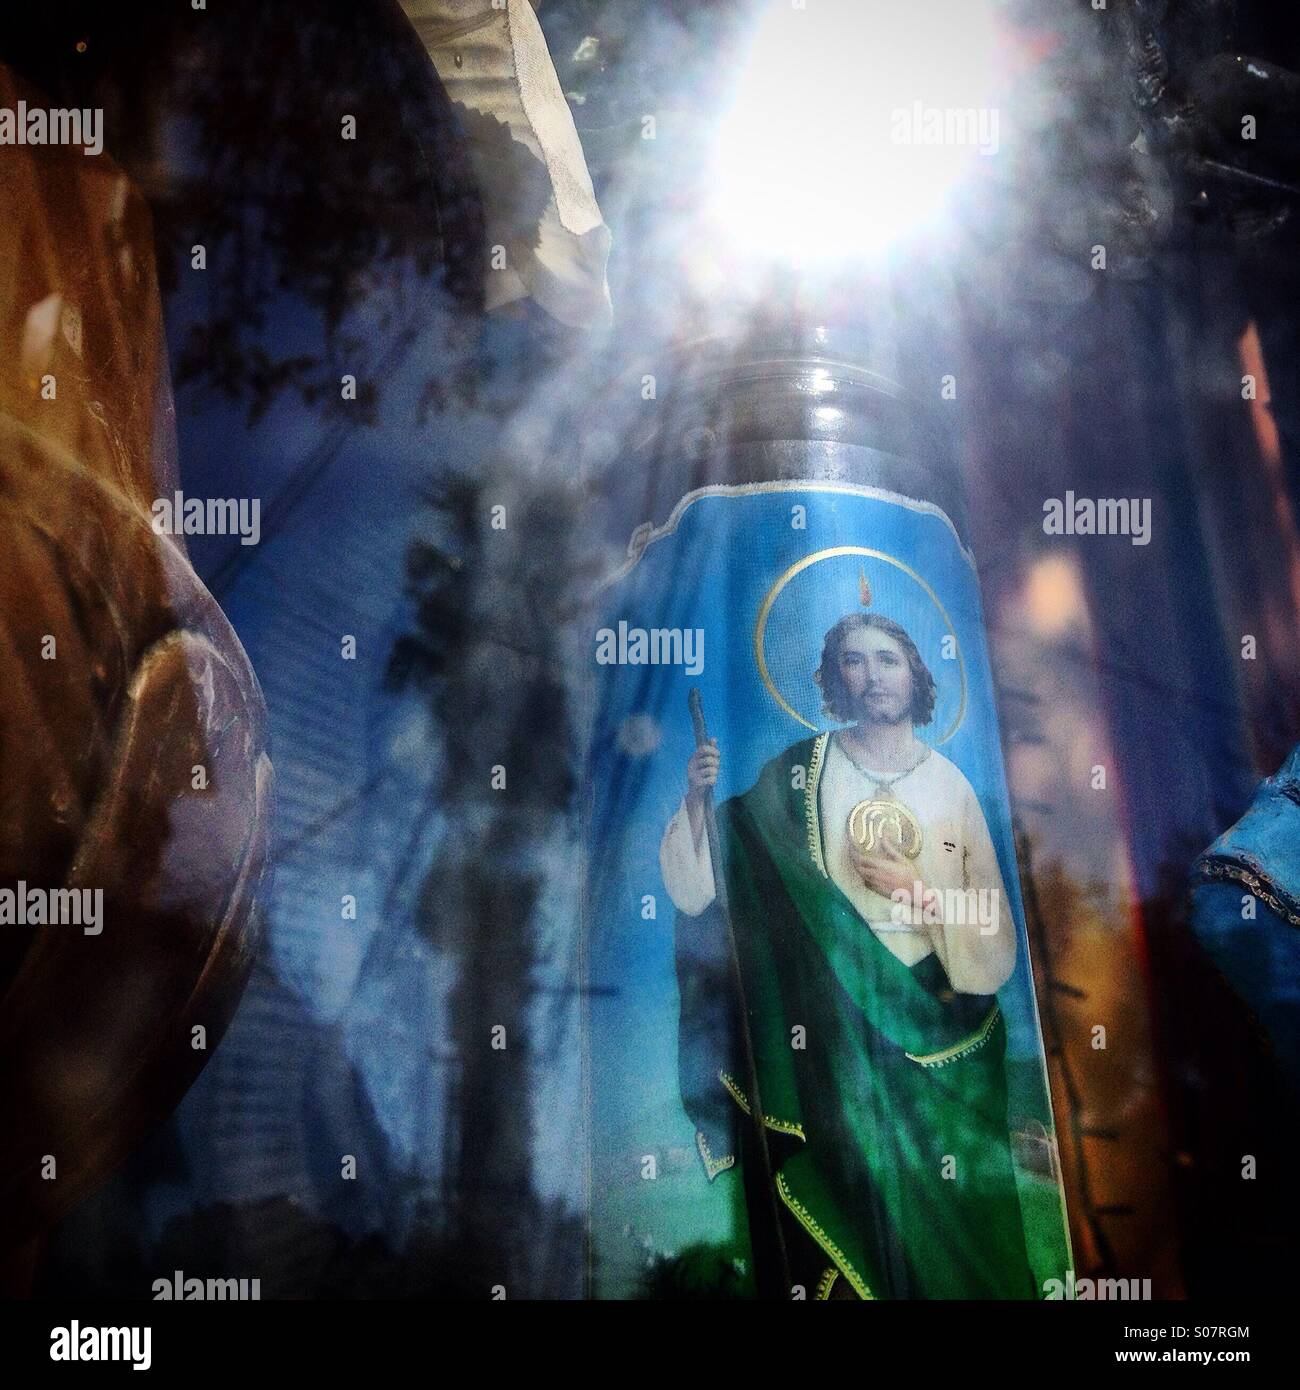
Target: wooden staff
<point>751,1067</point>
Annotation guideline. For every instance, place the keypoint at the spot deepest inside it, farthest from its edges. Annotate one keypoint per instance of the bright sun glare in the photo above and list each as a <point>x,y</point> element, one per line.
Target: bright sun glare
<point>827,150</point>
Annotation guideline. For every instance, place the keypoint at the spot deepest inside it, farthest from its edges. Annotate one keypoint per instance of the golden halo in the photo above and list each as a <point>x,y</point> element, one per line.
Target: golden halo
<point>765,609</point>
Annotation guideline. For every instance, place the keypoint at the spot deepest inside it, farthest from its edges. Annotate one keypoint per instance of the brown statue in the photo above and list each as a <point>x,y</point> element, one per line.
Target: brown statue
<point>133,763</point>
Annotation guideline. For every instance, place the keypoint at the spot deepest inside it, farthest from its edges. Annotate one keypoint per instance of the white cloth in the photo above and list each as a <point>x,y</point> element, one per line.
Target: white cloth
<point>494,62</point>
<point>956,854</point>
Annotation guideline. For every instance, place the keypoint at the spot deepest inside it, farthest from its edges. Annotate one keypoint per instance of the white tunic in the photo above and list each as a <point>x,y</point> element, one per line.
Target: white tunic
<point>957,856</point>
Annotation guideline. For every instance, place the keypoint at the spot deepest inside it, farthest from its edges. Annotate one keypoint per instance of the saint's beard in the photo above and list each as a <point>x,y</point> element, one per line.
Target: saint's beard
<point>878,713</point>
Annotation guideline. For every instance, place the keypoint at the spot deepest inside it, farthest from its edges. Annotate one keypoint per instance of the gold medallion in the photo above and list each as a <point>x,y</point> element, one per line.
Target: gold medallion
<point>872,822</point>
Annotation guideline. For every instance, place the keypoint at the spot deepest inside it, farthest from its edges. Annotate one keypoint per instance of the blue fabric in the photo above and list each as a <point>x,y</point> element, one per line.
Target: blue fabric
<point>1259,859</point>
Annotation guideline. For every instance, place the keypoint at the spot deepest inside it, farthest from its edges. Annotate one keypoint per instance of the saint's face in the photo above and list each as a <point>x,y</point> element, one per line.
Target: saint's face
<point>874,669</point>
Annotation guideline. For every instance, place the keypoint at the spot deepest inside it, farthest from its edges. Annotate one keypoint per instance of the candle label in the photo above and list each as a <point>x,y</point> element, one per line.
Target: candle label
<point>821,905</point>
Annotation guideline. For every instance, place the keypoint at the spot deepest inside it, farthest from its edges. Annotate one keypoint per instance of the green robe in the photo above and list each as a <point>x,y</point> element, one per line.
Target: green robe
<point>888,1129</point>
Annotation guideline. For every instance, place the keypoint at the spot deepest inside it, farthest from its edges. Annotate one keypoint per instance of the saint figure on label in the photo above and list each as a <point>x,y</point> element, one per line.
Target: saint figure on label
<point>873,931</point>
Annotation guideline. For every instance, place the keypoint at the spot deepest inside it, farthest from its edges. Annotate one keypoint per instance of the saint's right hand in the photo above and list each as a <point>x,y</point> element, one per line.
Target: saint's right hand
<point>702,769</point>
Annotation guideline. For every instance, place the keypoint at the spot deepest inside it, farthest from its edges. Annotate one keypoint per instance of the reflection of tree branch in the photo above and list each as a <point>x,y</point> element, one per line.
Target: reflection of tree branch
<point>497,701</point>
<point>290,211</point>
